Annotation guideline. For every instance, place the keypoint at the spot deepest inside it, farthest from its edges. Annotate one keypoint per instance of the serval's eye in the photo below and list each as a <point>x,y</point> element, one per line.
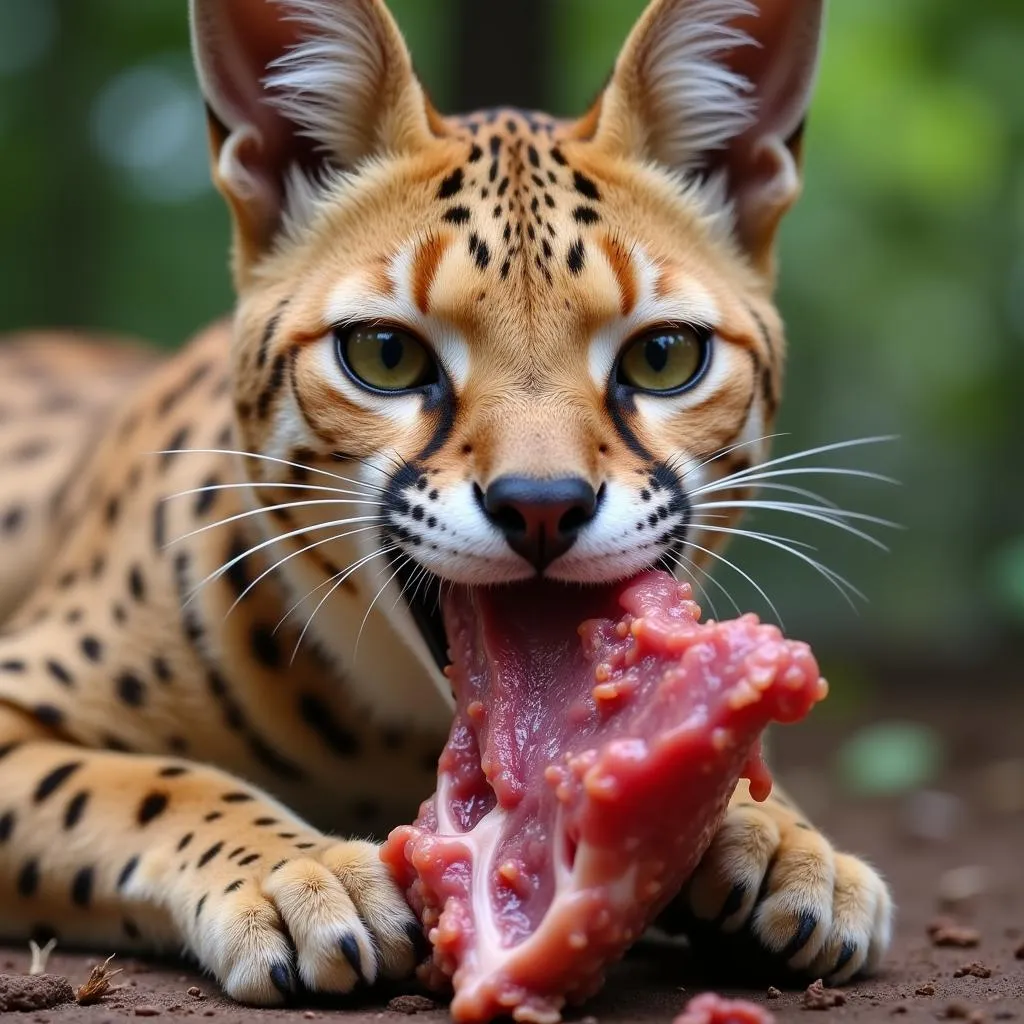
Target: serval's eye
<point>384,358</point>
<point>665,360</point>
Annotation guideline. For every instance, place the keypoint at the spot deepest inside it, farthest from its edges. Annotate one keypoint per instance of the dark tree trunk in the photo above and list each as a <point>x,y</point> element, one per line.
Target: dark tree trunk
<point>502,53</point>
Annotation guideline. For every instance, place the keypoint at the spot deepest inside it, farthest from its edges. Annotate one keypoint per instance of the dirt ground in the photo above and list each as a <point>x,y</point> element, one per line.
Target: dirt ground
<point>976,824</point>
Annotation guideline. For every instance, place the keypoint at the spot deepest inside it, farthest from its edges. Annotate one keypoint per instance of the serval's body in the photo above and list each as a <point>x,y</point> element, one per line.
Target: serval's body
<point>426,306</point>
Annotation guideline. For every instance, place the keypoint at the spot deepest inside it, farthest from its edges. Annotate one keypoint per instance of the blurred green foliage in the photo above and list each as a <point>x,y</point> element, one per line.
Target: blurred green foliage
<point>903,266</point>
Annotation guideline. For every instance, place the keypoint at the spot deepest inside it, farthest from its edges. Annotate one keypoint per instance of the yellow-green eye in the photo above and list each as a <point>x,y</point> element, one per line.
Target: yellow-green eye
<point>664,359</point>
<point>385,358</point>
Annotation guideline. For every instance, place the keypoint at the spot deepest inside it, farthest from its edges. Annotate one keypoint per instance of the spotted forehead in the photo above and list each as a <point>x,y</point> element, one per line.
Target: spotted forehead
<point>522,208</point>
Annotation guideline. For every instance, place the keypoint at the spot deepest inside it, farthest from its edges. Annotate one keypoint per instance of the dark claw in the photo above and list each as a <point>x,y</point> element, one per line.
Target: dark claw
<point>282,977</point>
<point>845,955</point>
<point>733,902</point>
<point>350,950</point>
<point>420,943</point>
<point>808,922</point>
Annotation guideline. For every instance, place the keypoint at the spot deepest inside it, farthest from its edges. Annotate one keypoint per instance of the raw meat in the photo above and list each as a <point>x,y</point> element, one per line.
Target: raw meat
<point>711,1008</point>
<point>586,771</point>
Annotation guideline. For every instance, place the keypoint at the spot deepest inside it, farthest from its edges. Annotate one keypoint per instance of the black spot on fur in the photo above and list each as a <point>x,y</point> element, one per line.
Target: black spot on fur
<point>53,780</point>
<point>152,806</point>
<point>81,887</point>
<point>127,871</point>
<point>6,826</point>
<point>199,905</point>
<point>585,215</point>
<point>273,385</point>
<point>475,153</point>
<point>184,841</point>
<point>317,715</point>
<point>131,929</point>
<point>585,186</point>
<point>264,822</point>
<point>207,496</point>
<point>131,689</point>
<point>60,673</point>
<point>28,878</point>
<point>236,798</point>
<point>265,647</point>
<point>159,524</point>
<point>136,584</point>
<point>456,215</point>
<point>234,886</point>
<point>161,670</point>
<point>209,854</point>
<point>576,258</point>
<point>91,648</point>
<point>249,859</point>
<point>213,816</point>
<point>12,519</point>
<point>450,185</point>
<point>75,809</point>
<point>172,771</point>
<point>177,441</point>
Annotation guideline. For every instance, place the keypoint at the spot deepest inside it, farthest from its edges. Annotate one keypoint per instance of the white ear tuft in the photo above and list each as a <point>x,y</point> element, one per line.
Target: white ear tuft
<point>696,103</point>
<point>329,85</point>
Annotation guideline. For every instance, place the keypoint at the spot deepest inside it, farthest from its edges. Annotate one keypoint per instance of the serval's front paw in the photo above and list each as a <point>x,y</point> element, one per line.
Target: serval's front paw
<point>771,877</point>
<point>325,920</point>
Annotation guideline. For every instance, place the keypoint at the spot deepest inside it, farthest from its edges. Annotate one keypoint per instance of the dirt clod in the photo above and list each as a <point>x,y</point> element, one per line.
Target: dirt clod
<point>976,969</point>
<point>773,992</point>
<point>817,997</point>
<point>147,1011</point>
<point>411,1004</point>
<point>33,992</point>
<point>195,992</point>
<point>944,931</point>
<point>927,989</point>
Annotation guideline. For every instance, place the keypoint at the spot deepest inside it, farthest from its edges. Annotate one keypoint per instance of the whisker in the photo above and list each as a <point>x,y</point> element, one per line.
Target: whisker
<point>775,536</point>
<point>832,517</point>
<point>267,458</point>
<point>723,451</point>
<point>831,575</point>
<point>273,508</point>
<point>746,576</point>
<point>678,558</point>
<point>217,573</point>
<point>747,476</point>
<point>265,484</point>
<point>362,625</point>
<point>726,485</point>
<point>341,577</point>
<point>287,558</point>
<point>807,452</point>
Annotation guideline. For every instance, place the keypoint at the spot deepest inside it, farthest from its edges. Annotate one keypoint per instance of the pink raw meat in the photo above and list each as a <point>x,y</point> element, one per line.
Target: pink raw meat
<point>586,772</point>
<point>711,1008</point>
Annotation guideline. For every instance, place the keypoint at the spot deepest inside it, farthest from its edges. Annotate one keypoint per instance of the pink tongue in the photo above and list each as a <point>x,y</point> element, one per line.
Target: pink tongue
<point>524,641</point>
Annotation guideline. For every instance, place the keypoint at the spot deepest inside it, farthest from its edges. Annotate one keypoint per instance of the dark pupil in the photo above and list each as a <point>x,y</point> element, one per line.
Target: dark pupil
<point>391,350</point>
<point>656,352</point>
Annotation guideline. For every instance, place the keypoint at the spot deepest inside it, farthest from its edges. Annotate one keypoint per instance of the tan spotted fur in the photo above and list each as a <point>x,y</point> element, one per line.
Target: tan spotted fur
<point>176,770</point>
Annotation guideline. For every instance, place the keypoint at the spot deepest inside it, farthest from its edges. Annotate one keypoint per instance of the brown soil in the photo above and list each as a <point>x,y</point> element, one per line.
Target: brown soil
<point>922,980</point>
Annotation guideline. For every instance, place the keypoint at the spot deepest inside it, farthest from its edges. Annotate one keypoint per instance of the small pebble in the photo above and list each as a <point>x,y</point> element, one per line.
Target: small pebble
<point>947,933</point>
<point>927,989</point>
<point>309,1015</point>
<point>773,992</point>
<point>195,992</point>
<point>411,1004</point>
<point>1019,952</point>
<point>973,970</point>
<point>817,997</point>
<point>147,1011</point>
<point>899,1008</point>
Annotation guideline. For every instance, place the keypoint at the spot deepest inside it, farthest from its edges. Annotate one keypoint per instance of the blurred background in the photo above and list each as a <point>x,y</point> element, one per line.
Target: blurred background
<point>902,284</point>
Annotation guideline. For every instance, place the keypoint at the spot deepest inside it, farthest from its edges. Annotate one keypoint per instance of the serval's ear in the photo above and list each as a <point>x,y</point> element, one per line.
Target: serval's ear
<point>292,87</point>
<point>720,88</point>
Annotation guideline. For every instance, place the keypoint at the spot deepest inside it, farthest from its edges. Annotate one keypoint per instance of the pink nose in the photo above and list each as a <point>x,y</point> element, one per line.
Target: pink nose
<point>540,519</point>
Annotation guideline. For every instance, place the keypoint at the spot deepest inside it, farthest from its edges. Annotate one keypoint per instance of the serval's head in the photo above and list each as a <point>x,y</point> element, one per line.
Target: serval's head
<point>524,344</point>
